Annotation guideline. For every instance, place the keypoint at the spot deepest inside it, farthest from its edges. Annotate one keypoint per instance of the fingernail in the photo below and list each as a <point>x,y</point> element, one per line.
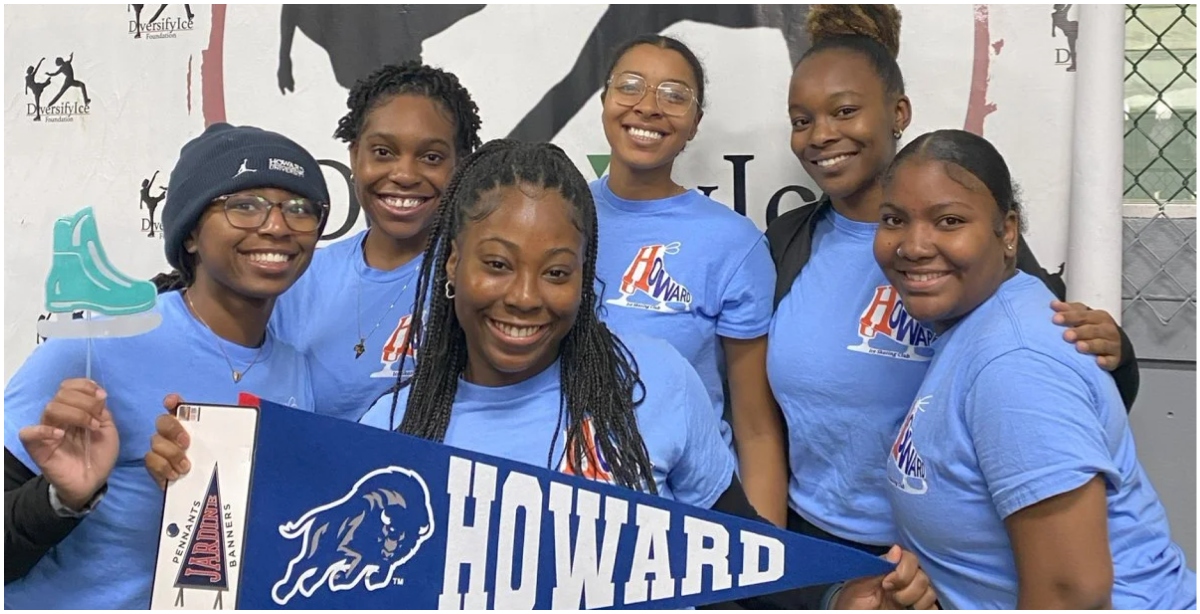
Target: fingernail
<point>95,424</point>
<point>101,394</point>
<point>58,433</point>
<point>186,466</point>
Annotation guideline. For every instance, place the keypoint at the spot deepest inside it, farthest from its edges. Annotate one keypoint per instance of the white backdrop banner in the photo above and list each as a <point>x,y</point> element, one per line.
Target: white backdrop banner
<point>111,92</point>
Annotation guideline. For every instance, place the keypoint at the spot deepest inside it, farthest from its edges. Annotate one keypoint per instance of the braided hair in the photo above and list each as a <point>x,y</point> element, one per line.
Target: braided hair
<point>599,376</point>
<point>412,78</point>
<point>169,282</point>
<point>872,30</point>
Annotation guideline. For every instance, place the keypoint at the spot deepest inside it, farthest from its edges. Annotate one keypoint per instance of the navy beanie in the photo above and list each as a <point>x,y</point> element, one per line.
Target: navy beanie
<point>227,159</point>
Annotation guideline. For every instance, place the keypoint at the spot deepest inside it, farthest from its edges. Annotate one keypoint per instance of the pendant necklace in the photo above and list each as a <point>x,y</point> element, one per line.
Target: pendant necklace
<point>361,346</point>
<point>237,375</point>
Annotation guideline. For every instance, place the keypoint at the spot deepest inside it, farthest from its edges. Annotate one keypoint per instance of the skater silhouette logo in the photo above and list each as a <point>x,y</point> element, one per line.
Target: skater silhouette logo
<point>53,111</point>
<point>149,202</point>
<point>1061,20</point>
<point>159,26</point>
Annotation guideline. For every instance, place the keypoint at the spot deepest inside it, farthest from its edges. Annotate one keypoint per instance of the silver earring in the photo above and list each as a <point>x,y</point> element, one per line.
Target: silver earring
<point>449,290</point>
<point>897,134</point>
<point>898,252</point>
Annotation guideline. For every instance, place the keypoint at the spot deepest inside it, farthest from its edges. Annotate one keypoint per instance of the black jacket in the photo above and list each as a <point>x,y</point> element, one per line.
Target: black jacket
<point>790,237</point>
<point>31,528</point>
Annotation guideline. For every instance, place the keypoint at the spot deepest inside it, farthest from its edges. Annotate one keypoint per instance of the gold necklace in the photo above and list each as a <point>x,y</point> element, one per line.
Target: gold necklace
<point>237,375</point>
<point>361,346</point>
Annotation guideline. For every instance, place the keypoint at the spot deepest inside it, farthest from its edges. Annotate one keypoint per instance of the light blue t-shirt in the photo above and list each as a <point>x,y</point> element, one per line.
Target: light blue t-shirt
<point>338,299</point>
<point>844,360</point>
<point>1009,416</point>
<point>692,464</point>
<point>686,269</point>
<point>108,560</point>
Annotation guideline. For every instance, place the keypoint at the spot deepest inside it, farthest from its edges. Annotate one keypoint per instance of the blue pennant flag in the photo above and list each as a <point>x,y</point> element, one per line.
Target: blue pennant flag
<point>342,515</point>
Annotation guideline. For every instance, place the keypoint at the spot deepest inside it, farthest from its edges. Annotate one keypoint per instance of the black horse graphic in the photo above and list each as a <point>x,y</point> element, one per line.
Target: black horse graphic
<point>361,38</point>
<point>624,21</point>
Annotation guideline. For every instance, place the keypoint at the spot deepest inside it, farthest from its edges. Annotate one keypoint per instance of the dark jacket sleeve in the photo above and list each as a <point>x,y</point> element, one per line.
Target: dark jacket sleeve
<point>1126,375</point>
<point>31,528</point>
<point>734,502</point>
<point>789,237</point>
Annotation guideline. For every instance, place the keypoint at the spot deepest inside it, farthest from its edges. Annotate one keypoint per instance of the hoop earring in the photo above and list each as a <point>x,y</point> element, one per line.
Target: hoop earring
<point>449,290</point>
<point>898,252</point>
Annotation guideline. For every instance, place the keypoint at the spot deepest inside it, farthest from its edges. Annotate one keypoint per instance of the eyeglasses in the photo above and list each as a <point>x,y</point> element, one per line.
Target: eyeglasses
<point>250,212</point>
<point>674,98</point>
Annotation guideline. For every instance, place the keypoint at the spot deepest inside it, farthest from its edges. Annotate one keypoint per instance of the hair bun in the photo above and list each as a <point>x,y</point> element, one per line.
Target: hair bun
<point>879,22</point>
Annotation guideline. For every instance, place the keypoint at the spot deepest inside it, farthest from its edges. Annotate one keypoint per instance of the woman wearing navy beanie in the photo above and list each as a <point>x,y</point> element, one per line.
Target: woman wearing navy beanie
<point>245,211</point>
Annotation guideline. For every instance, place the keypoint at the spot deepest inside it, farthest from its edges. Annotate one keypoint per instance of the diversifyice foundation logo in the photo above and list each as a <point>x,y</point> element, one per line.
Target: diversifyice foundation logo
<point>57,109</point>
<point>159,26</point>
<point>148,203</point>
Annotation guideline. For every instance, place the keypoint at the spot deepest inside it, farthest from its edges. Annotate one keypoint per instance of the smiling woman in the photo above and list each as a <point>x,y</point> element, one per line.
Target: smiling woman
<point>406,128</point>
<point>515,362</point>
<point>512,323</point>
<point>1013,433</point>
<point>677,265</point>
<point>245,212</point>
<point>941,250</point>
<point>846,354</point>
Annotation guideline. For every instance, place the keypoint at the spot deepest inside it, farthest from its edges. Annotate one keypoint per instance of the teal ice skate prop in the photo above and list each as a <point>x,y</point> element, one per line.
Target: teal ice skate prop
<point>82,278</point>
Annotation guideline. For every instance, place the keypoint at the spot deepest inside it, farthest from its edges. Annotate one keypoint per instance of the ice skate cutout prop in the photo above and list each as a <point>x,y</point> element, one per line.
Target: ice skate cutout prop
<point>344,516</point>
<point>82,278</point>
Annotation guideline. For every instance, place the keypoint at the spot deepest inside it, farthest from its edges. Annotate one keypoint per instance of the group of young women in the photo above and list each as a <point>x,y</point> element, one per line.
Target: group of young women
<point>634,331</point>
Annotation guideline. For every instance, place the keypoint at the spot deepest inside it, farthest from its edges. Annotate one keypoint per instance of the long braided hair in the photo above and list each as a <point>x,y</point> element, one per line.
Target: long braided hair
<point>599,374</point>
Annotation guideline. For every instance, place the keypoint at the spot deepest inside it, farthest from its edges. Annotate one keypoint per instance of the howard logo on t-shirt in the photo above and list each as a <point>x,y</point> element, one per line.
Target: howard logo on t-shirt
<point>390,355</point>
<point>593,464</point>
<point>906,468</point>
<point>647,276</point>
<point>886,329</point>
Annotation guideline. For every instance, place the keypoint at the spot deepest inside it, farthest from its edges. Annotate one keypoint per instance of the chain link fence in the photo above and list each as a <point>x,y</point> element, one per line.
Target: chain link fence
<point>1159,276</point>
